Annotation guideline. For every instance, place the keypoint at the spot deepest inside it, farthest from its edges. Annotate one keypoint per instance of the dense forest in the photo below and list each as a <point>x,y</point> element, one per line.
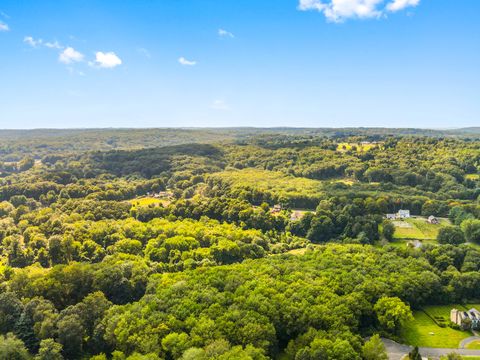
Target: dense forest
<point>229,243</point>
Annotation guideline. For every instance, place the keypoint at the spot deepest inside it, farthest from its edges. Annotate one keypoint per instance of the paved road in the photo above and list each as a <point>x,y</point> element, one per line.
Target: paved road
<point>397,351</point>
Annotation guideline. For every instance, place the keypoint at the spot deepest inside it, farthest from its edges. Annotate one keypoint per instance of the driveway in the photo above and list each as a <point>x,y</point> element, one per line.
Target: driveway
<point>465,342</point>
<point>397,351</point>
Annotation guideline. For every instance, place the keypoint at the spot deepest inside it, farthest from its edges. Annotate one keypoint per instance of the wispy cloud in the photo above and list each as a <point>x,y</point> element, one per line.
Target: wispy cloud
<point>32,42</point>
<point>341,10</point>
<point>219,105</point>
<point>39,42</point>
<point>225,33</point>
<point>4,27</point>
<point>70,56</point>
<point>106,60</point>
<point>186,62</point>
<point>144,52</point>
<point>53,45</point>
<point>4,15</point>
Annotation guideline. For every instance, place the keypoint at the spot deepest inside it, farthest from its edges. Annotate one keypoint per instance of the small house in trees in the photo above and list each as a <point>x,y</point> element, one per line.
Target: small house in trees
<point>296,215</point>
<point>277,208</point>
<point>433,220</point>
<point>466,319</point>
<point>403,214</point>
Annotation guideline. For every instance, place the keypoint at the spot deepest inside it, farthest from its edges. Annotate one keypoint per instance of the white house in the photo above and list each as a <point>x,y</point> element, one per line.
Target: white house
<point>403,214</point>
<point>466,319</point>
<point>433,220</point>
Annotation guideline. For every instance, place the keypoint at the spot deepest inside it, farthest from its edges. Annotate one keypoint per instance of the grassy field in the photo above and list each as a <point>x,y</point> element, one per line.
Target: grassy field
<point>271,181</point>
<point>475,345</point>
<point>423,331</point>
<point>418,229</point>
<point>349,146</point>
<point>148,201</point>
<point>348,182</point>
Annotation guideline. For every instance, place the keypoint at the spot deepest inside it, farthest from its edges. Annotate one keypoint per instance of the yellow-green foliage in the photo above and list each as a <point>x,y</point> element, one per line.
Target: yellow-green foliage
<point>360,147</point>
<point>273,182</point>
<point>472,176</point>
<point>475,345</point>
<point>147,201</point>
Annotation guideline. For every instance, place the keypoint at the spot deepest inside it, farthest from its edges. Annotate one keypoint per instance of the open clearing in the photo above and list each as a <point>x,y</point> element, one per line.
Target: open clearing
<point>148,201</point>
<point>423,331</point>
<point>473,176</point>
<point>360,147</point>
<point>417,229</point>
<point>278,184</point>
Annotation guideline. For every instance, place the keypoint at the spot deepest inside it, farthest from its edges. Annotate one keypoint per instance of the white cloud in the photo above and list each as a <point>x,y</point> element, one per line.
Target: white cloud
<point>70,55</point>
<point>340,10</point>
<point>32,42</point>
<point>4,27</point>
<point>5,15</point>
<point>53,45</point>
<point>186,62</point>
<point>305,5</point>
<point>397,5</point>
<point>39,42</point>
<point>219,105</point>
<point>225,33</point>
<point>107,60</point>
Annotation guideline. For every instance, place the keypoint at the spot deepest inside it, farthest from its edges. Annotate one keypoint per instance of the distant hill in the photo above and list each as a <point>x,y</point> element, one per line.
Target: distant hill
<point>16,144</point>
<point>468,130</point>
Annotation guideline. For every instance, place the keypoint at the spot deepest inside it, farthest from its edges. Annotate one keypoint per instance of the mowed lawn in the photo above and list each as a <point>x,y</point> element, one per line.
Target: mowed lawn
<point>360,147</point>
<point>423,331</point>
<point>418,229</point>
<point>148,201</point>
<point>474,345</point>
<point>473,176</point>
<point>273,182</point>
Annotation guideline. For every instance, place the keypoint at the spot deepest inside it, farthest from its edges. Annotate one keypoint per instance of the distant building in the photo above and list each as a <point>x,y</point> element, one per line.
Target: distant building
<point>160,194</point>
<point>277,208</point>
<point>403,214</point>
<point>296,215</point>
<point>466,319</point>
<point>433,220</point>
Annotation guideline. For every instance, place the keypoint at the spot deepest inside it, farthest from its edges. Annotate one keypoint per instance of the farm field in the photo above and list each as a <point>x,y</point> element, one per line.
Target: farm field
<point>418,229</point>
<point>424,332</point>
<point>473,176</point>
<point>148,201</point>
<point>359,146</point>
<point>278,184</point>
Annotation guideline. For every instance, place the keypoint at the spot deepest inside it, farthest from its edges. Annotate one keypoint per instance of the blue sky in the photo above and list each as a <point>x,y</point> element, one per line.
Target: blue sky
<point>169,63</point>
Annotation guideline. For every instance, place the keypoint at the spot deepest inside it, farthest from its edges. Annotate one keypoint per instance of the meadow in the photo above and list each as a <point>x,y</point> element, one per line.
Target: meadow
<point>148,201</point>
<point>275,185</point>
<point>418,229</point>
